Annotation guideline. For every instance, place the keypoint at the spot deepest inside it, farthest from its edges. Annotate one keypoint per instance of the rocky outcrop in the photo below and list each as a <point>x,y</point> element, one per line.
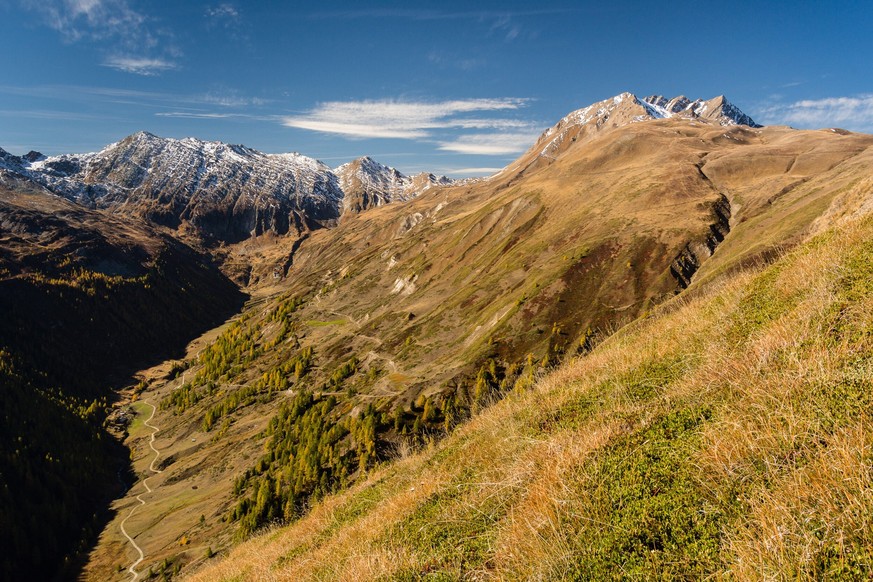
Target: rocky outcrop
<point>366,184</point>
<point>692,256</point>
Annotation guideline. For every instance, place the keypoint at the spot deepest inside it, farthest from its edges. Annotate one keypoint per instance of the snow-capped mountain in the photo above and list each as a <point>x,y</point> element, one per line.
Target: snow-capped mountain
<point>627,108</point>
<point>366,183</point>
<point>229,193</point>
<point>225,192</point>
<point>717,109</point>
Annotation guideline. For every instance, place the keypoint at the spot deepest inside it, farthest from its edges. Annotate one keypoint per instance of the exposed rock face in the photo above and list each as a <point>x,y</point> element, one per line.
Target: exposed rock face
<point>625,109</point>
<point>225,192</point>
<point>687,263</point>
<point>717,109</point>
<point>366,183</point>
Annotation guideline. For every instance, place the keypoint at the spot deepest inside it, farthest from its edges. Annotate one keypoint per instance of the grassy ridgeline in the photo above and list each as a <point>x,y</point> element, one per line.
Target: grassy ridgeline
<point>729,434</point>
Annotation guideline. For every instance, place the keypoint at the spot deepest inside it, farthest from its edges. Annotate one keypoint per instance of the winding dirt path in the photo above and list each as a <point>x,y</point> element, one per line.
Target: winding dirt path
<point>139,498</point>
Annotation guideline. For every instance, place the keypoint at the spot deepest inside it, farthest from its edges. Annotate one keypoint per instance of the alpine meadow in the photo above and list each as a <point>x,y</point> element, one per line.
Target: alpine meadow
<point>502,317</point>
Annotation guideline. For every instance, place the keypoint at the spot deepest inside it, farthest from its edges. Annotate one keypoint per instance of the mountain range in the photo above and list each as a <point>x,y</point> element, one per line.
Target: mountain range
<point>221,192</point>
<point>384,310</point>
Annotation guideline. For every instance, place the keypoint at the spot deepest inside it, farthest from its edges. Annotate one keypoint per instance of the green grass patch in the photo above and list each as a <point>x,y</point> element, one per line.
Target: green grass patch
<point>643,383</point>
<point>763,302</point>
<point>142,411</point>
<point>646,515</point>
<point>454,529</point>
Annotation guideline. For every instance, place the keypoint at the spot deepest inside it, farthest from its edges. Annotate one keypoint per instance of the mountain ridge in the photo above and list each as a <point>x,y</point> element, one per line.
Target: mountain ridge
<point>399,322</point>
<point>367,183</point>
<point>625,109</point>
<point>228,192</point>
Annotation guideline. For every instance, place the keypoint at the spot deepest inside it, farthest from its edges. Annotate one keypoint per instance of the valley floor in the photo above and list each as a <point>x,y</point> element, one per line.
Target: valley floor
<point>173,504</point>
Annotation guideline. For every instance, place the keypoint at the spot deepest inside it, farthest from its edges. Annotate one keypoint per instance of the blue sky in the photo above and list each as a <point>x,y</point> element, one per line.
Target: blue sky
<point>453,87</point>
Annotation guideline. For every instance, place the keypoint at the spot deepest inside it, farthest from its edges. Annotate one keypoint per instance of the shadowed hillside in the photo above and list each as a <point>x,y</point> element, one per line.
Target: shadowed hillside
<point>88,300</point>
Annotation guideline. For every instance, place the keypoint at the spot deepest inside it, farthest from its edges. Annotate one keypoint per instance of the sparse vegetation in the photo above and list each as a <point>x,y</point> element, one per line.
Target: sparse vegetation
<point>307,455</point>
<point>220,361</point>
<point>724,436</point>
<point>266,387</point>
<point>304,458</point>
<point>517,276</point>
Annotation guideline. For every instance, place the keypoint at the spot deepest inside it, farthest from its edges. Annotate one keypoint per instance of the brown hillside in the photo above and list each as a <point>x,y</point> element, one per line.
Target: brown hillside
<point>519,270</point>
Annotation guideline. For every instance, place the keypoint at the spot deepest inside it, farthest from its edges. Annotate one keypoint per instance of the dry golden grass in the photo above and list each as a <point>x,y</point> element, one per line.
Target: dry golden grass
<point>767,373</point>
<point>584,241</point>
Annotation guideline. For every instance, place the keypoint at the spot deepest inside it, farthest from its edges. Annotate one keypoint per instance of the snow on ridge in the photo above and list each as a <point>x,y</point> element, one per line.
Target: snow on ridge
<point>144,167</point>
<point>383,184</point>
<point>717,110</point>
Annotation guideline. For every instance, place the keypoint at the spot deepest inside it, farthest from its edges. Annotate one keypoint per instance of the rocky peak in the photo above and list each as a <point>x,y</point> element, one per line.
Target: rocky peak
<point>366,183</point>
<point>718,110</point>
<point>627,108</point>
<point>223,192</point>
<point>8,160</point>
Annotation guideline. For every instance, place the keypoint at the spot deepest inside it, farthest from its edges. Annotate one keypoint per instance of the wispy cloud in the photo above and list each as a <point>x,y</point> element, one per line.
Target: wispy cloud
<point>497,23</point>
<point>227,17</point>
<point>139,65</point>
<point>470,171</point>
<point>415,120</point>
<point>130,38</point>
<point>225,98</point>
<point>505,26</point>
<point>223,13</point>
<point>424,14</point>
<point>490,144</point>
<point>51,115</point>
<point>186,115</point>
<point>359,130</point>
<point>464,63</point>
<point>849,112</point>
<point>230,98</point>
<point>93,19</point>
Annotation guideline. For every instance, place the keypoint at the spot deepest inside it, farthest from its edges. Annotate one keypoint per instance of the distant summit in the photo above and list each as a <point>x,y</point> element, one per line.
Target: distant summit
<point>627,108</point>
<point>717,109</point>
<point>367,183</point>
<point>224,192</point>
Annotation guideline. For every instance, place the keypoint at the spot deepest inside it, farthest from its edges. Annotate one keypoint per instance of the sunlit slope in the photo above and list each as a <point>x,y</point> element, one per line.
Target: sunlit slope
<point>586,241</point>
<point>406,318</point>
<point>727,434</point>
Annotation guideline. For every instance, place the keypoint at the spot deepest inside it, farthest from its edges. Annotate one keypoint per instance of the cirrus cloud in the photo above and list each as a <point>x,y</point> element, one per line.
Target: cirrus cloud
<point>139,65</point>
<point>854,113</point>
<point>130,38</point>
<point>442,122</point>
<point>490,144</point>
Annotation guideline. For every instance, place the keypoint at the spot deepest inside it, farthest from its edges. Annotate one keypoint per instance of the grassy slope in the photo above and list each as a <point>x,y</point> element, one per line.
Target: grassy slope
<point>586,238</point>
<point>728,434</point>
